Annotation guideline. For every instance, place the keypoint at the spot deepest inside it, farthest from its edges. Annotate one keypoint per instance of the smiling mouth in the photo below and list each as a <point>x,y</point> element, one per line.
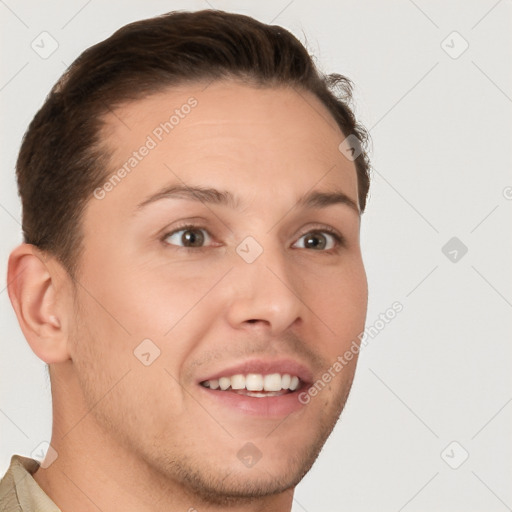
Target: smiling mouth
<point>256,385</point>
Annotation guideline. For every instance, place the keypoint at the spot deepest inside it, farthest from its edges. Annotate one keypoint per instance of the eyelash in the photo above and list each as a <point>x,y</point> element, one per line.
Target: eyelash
<point>339,239</point>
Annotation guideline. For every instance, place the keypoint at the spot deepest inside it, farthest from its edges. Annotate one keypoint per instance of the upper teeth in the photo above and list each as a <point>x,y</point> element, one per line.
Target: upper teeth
<point>255,382</point>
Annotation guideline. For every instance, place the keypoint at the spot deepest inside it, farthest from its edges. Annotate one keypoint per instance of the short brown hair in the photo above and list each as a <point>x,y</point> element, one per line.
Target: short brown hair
<point>62,161</point>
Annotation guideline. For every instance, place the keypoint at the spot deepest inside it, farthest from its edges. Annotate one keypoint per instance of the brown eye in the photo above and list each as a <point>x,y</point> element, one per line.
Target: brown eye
<point>315,241</point>
<point>188,237</point>
<point>318,241</point>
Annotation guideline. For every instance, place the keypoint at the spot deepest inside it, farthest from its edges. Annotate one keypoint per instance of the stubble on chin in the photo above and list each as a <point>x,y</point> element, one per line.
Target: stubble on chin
<point>210,483</point>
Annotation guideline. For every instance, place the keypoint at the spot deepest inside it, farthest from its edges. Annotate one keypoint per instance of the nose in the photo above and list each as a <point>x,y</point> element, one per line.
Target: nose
<point>264,294</point>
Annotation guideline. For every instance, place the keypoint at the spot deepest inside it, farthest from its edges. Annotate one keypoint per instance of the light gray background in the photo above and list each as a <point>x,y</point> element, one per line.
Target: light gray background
<point>441,129</point>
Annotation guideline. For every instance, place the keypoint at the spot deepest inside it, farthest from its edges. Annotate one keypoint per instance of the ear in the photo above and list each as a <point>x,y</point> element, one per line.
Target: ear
<point>39,290</point>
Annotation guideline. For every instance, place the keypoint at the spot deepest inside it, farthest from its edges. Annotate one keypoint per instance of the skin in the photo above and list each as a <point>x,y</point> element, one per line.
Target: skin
<point>137,438</point>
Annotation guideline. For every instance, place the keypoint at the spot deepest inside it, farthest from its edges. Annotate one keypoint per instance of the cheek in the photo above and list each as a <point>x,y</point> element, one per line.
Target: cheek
<point>135,316</point>
<point>341,303</point>
<point>128,380</point>
<point>144,300</point>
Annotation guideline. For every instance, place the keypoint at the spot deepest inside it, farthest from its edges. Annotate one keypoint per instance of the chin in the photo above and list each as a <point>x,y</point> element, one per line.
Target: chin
<point>236,487</point>
<point>261,469</point>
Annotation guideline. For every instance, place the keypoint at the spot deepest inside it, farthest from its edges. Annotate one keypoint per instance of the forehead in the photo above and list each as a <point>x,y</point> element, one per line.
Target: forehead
<point>225,135</point>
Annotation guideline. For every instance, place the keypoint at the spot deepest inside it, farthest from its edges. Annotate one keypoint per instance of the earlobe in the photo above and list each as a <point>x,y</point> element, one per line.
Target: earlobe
<point>37,295</point>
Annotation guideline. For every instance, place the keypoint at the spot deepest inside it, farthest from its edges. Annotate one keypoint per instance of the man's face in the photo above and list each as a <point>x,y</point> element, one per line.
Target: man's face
<point>181,271</point>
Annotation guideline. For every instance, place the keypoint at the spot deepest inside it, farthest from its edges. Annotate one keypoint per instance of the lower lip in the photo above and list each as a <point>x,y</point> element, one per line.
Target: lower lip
<point>270,406</point>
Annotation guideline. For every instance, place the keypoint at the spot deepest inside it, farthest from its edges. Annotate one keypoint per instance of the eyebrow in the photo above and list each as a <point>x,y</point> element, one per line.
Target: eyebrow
<point>314,200</point>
